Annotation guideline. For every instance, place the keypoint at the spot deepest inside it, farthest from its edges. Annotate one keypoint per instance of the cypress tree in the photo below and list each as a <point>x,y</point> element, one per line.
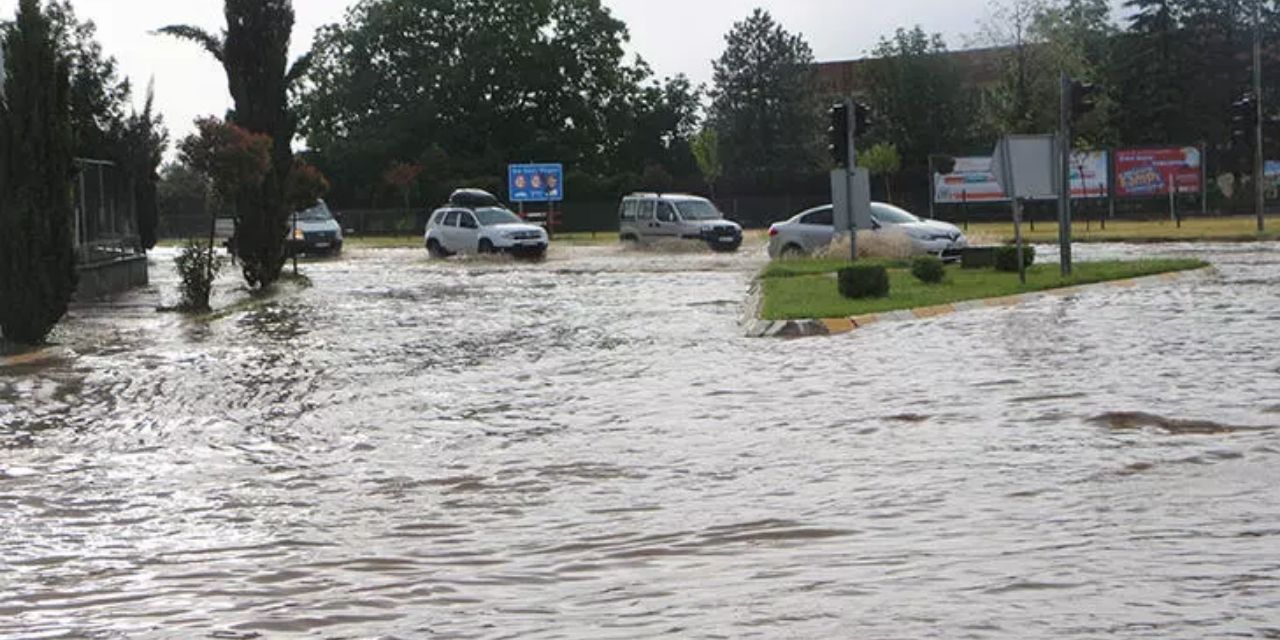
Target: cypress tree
<point>37,256</point>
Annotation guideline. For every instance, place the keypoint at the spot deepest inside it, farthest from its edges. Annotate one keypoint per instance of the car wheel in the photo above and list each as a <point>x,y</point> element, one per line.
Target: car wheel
<point>435,250</point>
<point>486,247</point>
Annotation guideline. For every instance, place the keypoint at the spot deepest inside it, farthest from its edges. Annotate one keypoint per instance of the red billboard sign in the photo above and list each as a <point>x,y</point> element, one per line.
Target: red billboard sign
<point>1146,173</point>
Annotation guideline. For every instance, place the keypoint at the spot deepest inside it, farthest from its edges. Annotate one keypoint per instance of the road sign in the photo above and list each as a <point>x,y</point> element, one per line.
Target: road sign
<point>1027,166</point>
<point>536,182</point>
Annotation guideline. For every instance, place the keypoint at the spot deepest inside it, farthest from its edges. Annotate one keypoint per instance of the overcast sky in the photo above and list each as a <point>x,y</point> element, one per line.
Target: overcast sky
<point>674,36</point>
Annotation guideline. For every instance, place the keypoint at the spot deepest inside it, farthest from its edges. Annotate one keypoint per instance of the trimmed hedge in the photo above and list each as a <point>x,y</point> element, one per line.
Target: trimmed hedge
<point>1007,258</point>
<point>928,269</point>
<point>863,281</point>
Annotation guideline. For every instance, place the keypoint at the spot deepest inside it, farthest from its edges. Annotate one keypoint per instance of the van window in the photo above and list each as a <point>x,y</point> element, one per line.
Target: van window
<point>666,212</point>
<point>629,208</point>
<point>648,209</point>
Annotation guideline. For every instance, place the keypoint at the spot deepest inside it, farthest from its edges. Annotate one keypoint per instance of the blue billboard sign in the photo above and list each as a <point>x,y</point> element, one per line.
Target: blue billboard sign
<point>536,182</point>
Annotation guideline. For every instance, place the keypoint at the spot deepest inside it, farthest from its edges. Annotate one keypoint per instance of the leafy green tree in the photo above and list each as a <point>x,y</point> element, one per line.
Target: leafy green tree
<point>37,256</point>
<point>483,84</point>
<point>882,160</point>
<point>254,51</point>
<point>764,105</point>
<point>916,95</point>
<point>706,150</point>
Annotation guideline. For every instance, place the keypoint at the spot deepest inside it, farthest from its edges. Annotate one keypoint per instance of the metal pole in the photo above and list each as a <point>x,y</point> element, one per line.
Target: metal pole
<point>932,187</point>
<point>852,166</point>
<point>295,251</point>
<point>1064,198</point>
<point>1259,163</point>
<point>1204,179</point>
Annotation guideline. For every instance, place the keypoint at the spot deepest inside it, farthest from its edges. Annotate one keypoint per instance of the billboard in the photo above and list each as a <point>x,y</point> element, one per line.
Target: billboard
<point>974,180</point>
<point>1090,177</point>
<point>536,182</point>
<point>1145,173</point>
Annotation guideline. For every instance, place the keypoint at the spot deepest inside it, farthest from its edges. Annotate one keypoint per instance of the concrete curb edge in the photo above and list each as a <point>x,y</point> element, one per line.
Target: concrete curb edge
<point>758,328</point>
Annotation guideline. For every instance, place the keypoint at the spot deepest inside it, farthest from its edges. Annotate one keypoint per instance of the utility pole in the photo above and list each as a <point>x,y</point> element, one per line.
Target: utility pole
<point>1259,159</point>
<point>1064,197</point>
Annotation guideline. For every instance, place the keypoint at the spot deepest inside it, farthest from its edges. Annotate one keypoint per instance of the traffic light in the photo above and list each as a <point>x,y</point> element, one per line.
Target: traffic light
<point>1244,119</point>
<point>1084,99</point>
<point>838,134</point>
<point>862,120</point>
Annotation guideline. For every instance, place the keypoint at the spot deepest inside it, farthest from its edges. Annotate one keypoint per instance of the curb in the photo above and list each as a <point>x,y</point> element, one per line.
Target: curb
<point>757,328</point>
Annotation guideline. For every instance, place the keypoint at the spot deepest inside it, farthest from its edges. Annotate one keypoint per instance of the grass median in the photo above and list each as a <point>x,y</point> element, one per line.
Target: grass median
<point>802,289</point>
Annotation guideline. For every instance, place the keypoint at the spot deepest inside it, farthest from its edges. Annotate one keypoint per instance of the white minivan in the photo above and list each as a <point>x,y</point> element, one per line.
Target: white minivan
<point>647,217</point>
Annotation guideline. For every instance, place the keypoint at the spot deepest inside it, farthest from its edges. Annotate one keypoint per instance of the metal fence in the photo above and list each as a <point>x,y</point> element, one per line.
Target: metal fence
<point>105,213</point>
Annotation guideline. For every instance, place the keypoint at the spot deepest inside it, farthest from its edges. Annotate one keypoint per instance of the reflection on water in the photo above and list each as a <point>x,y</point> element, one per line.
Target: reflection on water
<point>586,447</point>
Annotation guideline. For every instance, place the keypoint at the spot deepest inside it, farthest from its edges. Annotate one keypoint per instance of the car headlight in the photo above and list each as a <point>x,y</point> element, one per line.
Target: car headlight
<point>299,235</point>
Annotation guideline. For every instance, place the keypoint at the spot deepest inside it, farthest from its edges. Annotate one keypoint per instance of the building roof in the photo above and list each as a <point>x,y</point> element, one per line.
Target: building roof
<point>978,68</point>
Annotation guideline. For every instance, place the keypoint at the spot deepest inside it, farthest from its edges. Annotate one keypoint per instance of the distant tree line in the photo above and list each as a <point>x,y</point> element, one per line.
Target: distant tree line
<point>1168,76</point>
<point>406,100</point>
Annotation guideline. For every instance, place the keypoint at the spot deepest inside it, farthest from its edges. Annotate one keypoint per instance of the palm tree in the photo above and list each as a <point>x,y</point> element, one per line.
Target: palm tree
<point>254,51</point>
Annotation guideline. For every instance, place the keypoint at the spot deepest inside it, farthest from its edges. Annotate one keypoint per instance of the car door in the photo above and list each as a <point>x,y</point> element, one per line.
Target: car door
<point>817,229</point>
<point>667,220</point>
<point>468,232</point>
<point>448,231</point>
<point>647,219</point>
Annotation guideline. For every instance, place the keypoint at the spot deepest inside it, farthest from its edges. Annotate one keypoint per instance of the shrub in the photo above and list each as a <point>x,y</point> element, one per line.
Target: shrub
<point>1007,258</point>
<point>928,269</point>
<point>864,281</point>
<point>198,266</point>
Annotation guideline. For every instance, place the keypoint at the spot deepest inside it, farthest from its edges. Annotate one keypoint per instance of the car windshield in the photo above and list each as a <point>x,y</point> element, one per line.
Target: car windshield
<point>697,210</point>
<point>318,213</point>
<point>491,217</point>
<point>888,214</point>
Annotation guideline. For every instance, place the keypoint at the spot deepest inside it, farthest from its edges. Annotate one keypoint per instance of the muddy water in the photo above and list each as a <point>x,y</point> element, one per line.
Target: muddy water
<point>587,448</point>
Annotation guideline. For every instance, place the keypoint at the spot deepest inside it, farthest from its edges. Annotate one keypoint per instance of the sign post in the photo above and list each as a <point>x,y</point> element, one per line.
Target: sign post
<point>1026,168</point>
<point>537,183</point>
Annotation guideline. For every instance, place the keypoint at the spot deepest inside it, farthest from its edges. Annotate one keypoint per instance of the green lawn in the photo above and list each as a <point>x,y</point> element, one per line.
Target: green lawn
<point>801,289</point>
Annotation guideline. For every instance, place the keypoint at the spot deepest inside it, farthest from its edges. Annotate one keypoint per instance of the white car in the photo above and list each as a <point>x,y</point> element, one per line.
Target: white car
<point>314,231</point>
<point>481,230</point>
<point>646,217</point>
<point>812,231</point>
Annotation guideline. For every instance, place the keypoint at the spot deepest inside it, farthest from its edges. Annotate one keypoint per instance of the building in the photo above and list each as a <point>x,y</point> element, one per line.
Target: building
<point>979,68</point>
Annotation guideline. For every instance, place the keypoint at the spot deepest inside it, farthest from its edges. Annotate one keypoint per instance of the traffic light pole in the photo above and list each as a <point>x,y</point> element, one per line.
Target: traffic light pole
<point>1064,197</point>
<point>1259,159</point>
<point>849,177</point>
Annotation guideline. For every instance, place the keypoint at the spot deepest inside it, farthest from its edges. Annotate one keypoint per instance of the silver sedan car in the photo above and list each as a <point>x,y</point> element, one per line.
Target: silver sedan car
<point>812,231</point>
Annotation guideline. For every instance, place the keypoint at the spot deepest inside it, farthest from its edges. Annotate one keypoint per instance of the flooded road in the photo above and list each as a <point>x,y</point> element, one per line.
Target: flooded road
<point>589,448</point>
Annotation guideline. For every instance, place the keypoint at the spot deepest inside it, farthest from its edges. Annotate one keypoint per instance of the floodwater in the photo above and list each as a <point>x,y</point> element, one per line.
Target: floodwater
<point>589,448</point>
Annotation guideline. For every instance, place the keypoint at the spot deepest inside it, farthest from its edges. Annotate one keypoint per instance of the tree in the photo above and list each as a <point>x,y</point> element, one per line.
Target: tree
<point>706,149</point>
<point>764,105</point>
<point>235,163</point>
<point>141,150</point>
<point>882,160</point>
<point>916,95</point>
<point>402,177</point>
<point>37,256</point>
<point>307,185</point>
<point>254,51</point>
<point>487,84</point>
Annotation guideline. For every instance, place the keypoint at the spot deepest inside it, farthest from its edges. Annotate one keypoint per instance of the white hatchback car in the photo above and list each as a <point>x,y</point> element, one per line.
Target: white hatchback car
<point>482,230</point>
<point>812,231</point>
